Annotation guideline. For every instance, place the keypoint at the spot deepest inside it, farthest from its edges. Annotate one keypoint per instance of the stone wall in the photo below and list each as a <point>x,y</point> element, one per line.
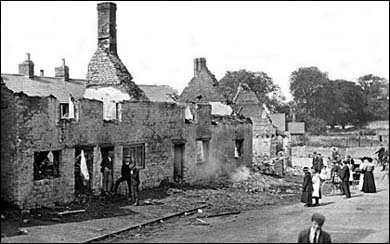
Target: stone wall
<point>38,127</point>
<point>226,131</point>
<point>221,157</point>
<point>9,145</point>
<point>203,87</point>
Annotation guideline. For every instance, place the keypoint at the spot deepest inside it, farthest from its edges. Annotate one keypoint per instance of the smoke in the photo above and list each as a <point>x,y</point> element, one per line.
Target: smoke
<point>240,174</point>
<point>218,169</point>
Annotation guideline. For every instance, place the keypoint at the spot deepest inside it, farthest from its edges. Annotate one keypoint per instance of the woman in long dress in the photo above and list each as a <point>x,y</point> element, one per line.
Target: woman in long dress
<point>369,182</point>
<point>307,188</point>
<point>361,179</point>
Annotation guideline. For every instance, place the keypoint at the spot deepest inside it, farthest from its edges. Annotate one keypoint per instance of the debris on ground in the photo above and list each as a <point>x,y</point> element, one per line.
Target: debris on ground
<point>201,222</point>
<point>71,212</point>
<point>223,214</point>
<point>22,232</point>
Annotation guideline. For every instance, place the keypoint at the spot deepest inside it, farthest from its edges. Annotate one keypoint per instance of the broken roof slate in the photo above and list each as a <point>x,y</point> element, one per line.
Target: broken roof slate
<point>45,86</point>
<point>159,93</point>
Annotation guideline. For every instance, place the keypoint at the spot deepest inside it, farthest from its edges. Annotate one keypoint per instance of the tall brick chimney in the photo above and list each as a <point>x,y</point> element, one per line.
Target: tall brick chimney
<point>107,26</point>
<point>27,67</point>
<point>62,71</point>
<point>199,64</point>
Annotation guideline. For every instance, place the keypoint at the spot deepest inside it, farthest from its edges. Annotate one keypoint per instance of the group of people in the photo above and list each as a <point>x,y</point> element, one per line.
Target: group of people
<point>340,171</point>
<point>129,173</point>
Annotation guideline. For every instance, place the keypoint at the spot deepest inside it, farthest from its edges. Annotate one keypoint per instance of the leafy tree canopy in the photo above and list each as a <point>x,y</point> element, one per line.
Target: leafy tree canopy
<point>266,91</point>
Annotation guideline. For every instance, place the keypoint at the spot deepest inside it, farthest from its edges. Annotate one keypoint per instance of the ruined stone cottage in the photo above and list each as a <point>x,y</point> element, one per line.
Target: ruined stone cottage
<point>46,122</point>
<point>228,141</point>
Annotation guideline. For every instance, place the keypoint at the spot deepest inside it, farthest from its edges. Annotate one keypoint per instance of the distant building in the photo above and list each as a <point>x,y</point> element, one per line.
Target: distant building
<point>160,93</point>
<point>279,120</point>
<point>296,128</point>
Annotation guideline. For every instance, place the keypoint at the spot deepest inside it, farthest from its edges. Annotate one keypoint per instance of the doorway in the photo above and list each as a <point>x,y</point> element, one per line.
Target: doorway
<point>178,162</point>
<point>83,185</point>
<point>108,157</point>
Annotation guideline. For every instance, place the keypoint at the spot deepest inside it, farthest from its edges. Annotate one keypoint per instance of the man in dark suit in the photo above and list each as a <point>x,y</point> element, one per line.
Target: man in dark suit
<point>317,163</point>
<point>344,175</point>
<point>134,177</point>
<point>315,234</point>
<point>125,175</point>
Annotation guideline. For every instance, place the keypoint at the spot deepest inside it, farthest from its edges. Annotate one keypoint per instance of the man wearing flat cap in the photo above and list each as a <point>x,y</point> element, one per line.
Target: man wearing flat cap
<point>315,234</point>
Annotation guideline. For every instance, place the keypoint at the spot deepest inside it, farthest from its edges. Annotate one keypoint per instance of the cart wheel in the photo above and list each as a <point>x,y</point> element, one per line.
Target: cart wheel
<point>328,188</point>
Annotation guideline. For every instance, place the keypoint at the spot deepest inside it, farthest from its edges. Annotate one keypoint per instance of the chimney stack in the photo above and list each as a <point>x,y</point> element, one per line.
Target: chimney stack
<point>27,67</point>
<point>62,71</point>
<point>199,64</point>
<point>107,27</point>
<point>41,72</point>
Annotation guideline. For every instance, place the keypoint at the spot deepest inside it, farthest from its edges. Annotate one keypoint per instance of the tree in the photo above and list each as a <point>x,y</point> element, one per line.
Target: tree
<point>375,96</point>
<point>307,88</point>
<point>266,91</point>
<point>349,101</point>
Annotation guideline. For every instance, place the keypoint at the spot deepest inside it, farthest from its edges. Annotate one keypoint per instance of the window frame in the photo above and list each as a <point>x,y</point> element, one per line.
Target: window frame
<point>137,153</point>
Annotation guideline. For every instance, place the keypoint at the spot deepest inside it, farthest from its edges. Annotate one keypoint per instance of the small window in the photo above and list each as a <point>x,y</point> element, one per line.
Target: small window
<point>64,110</point>
<point>238,149</point>
<point>111,110</point>
<point>67,110</point>
<point>202,151</point>
<point>137,154</point>
<point>46,165</point>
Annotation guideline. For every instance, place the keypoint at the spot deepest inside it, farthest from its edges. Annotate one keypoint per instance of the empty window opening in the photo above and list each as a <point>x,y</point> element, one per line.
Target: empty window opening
<point>202,151</point>
<point>111,110</point>
<point>46,165</point>
<point>64,108</point>
<point>238,149</point>
<point>67,110</point>
<point>136,153</point>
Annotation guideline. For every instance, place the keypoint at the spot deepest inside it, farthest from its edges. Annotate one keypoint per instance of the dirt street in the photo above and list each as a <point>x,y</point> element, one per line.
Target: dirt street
<point>363,218</point>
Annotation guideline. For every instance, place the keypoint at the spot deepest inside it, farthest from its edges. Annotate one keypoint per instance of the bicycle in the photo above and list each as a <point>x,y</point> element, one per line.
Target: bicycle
<point>330,187</point>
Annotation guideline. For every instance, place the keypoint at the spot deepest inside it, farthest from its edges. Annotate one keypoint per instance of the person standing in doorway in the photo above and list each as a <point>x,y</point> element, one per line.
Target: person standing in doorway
<point>134,177</point>
<point>106,169</point>
<point>307,189</point>
<point>315,234</point>
<point>125,171</point>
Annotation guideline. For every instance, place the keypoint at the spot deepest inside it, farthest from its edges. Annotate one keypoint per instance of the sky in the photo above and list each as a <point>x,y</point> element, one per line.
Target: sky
<point>157,41</point>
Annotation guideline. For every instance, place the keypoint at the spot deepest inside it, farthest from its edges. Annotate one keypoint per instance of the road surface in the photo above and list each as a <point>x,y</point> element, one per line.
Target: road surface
<point>362,218</point>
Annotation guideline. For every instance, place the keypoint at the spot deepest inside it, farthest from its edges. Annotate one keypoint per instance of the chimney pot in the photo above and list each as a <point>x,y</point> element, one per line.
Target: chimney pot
<point>199,64</point>
<point>41,72</point>
<point>63,62</point>
<point>28,56</point>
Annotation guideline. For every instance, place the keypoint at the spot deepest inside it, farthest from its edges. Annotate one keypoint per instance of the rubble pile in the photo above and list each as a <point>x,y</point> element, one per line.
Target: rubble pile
<point>244,190</point>
<point>269,166</point>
